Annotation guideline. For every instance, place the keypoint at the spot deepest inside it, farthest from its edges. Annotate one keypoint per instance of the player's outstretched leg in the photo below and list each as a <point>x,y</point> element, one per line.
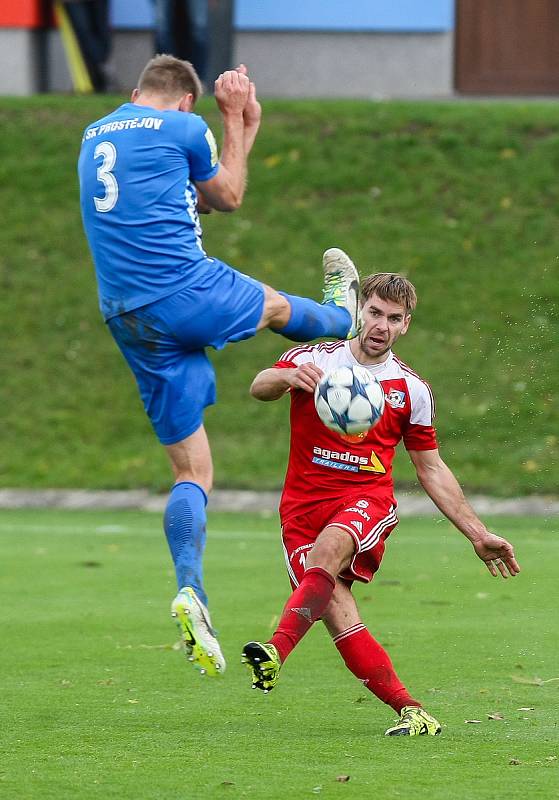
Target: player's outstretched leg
<point>341,285</point>
<point>337,315</point>
<point>197,634</point>
<point>264,663</point>
<point>415,721</point>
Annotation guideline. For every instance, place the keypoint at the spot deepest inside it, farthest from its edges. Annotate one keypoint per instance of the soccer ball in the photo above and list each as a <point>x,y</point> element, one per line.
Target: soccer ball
<point>349,400</point>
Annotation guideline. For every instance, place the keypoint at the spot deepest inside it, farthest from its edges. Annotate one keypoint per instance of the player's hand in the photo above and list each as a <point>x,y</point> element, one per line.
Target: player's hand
<point>252,113</point>
<point>497,554</point>
<point>231,92</point>
<point>305,377</point>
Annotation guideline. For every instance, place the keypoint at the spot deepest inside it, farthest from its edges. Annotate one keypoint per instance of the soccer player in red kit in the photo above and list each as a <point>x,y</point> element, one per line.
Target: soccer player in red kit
<point>338,508</point>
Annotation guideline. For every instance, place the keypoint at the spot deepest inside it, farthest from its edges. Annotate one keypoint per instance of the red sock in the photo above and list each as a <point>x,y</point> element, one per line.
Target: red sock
<point>304,607</point>
<point>370,662</point>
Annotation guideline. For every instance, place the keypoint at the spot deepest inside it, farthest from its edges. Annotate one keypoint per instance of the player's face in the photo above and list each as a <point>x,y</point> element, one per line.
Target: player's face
<point>383,322</point>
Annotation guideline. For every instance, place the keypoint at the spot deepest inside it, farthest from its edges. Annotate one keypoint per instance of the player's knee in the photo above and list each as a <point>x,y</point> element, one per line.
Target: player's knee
<point>202,477</point>
<point>276,311</point>
<point>332,551</point>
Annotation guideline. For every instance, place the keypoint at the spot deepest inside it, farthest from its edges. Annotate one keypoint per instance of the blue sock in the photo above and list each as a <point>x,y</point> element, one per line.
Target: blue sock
<point>311,320</point>
<point>185,529</point>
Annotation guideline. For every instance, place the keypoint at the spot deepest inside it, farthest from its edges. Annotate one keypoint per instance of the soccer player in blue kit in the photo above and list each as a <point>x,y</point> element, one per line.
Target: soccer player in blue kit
<point>145,171</point>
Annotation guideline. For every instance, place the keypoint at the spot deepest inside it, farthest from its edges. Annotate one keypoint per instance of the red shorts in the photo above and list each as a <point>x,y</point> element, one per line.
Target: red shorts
<point>368,520</point>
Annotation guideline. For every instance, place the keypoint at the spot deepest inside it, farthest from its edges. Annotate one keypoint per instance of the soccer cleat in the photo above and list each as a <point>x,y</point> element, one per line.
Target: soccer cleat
<point>264,663</point>
<point>193,620</point>
<point>341,285</point>
<point>414,721</point>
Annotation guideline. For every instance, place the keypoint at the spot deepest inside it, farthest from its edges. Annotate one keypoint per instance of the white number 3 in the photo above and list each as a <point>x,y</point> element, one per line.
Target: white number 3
<point>107,152</point>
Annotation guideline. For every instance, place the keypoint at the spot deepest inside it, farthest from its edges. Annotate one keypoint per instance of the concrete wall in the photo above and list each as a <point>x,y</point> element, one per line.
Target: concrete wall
<point>284,64</point>
<point>366,65</point>
<point>20,69</point>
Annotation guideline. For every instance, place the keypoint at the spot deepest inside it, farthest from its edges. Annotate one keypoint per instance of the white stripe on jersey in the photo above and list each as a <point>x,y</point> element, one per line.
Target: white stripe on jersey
<point>409,371</point>
<point>305,353</point>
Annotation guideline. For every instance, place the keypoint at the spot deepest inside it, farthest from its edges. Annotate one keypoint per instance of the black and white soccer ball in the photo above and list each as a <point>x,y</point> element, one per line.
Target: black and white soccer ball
<point>349,400</point>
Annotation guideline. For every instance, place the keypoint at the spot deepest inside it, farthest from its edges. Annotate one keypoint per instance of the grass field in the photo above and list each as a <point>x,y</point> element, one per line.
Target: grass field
<point>460,196</point>
<point>98,704</point>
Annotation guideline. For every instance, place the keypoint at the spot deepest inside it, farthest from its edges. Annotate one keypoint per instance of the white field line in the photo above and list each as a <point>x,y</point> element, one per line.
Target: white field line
<point>119,530</point>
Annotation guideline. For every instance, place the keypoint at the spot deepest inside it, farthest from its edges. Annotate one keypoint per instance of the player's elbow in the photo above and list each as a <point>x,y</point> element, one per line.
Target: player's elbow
<point>261,390</point>
<point>257,390</point>
<point>229,203</point>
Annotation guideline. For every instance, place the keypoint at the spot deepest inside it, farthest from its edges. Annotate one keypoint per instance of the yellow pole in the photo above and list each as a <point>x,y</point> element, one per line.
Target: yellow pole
<point>74,57</point>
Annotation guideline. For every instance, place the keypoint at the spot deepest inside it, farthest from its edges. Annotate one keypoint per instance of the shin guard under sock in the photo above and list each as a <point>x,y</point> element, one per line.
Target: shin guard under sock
<point>307,604</point>
<point>371,664</point>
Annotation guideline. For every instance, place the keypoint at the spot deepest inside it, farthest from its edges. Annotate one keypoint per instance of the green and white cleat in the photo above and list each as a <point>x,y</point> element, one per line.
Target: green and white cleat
<point>264,663</point>
<point>414,721</point>
<point>197,634</point>
<point>341,285</point>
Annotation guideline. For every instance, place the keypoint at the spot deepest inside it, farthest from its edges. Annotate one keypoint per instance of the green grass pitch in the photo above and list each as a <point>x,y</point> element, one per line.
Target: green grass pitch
<point>96,703</point>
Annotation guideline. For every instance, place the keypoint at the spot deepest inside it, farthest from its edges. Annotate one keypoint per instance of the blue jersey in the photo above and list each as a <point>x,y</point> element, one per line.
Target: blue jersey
<point>136,169</point>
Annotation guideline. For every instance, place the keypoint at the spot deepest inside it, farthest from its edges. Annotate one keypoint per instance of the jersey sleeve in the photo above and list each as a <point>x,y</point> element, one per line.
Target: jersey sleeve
<point>420,433</point>
<point>294,358</point>
<point>202,149</point>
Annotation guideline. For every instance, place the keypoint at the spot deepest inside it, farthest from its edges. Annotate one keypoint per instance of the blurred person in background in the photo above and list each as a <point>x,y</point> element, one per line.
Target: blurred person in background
<point>182,30</point>
<point>90,22</point>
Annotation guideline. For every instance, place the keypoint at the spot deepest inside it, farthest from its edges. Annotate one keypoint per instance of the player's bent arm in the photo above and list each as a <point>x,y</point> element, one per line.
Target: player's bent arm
<point>221,192</point>
<point>231,94</point>
<point>273,383</point>
<point>445,491</point>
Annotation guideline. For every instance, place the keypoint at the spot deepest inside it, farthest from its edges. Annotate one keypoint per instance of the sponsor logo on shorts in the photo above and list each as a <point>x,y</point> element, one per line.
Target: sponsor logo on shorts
<point>358,525</point>
<point>359,511</point>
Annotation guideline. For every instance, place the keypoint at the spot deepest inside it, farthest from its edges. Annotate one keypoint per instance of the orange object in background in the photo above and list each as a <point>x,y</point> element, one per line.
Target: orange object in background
<point>22,13</point>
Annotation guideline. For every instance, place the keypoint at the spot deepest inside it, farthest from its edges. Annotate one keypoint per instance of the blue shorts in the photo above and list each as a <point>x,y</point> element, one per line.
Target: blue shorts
<point>164,344</point>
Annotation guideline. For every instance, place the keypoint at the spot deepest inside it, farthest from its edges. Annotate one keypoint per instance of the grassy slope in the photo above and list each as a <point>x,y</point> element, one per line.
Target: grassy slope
<point>97,705</point>
<point>462,197</point>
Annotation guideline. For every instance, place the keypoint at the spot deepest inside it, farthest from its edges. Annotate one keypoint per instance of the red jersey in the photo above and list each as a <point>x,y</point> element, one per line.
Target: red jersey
<point>324,465</point>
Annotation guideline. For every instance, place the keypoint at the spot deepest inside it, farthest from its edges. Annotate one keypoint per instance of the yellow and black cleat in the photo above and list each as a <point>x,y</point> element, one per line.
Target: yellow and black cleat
<point>264,663</point>
<point>414,721</point>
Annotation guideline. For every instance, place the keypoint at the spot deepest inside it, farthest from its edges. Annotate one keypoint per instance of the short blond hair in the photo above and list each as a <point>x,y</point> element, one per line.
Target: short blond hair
<point>169,77</point>
<point>389,286</point>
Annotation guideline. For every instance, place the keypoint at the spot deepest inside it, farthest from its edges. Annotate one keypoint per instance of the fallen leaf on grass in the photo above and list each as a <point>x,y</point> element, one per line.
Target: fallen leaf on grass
<point>514,761</point>
<point>271,162</point>
<point>535,681</point>
<point>342,778</point>
<point>551,758</point>
<point>496,715</point>
<point>436,602</point>
<point>472,721</point>
<point>226,783</point>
